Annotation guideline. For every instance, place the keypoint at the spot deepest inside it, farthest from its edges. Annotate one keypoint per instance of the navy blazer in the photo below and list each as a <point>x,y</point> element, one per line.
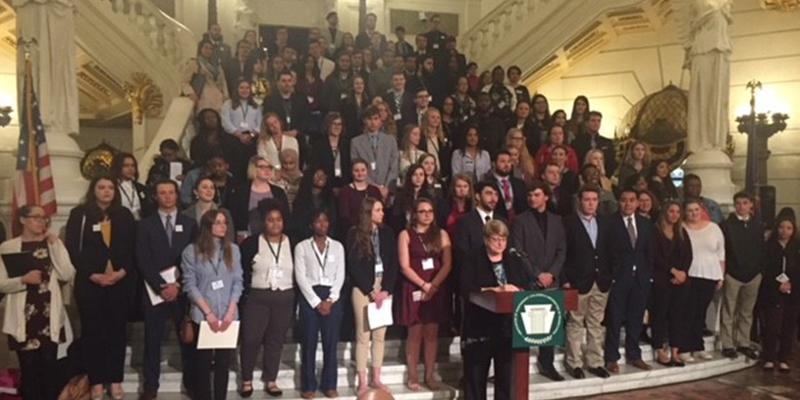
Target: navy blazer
<point>154,253</point>
<point>585,264</point>
<point>623,257</point>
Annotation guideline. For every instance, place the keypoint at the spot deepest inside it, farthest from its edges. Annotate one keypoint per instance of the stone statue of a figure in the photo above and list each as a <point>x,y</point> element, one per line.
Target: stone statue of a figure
<point>708,50</point>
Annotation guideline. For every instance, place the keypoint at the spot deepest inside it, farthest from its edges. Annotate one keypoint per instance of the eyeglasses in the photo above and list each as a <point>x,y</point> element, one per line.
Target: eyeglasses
<point>498,239</point>
<point>263,166</point>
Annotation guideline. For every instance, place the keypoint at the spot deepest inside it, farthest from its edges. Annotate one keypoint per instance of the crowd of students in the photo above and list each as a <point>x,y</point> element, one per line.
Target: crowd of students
<point>317,187</point>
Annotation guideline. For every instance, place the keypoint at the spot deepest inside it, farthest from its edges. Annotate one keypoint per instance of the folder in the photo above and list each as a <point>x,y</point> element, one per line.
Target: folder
<point>18,264</point>
<point>170,275</point>
<point>209,339</point>
<point>380,317</point>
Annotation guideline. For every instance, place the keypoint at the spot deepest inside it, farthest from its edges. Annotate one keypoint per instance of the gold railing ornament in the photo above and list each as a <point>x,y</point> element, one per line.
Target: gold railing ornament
<point>781,5</point>
<point>145,97</point>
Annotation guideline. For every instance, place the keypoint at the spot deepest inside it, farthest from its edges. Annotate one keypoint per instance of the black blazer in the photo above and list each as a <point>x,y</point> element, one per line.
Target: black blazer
<point>299,112</point>
<point>520,196</point>
<point>585,264</point>
<point>668,254</point>
<point>624,257</point>
<point>154,253</point>
<point>561,201</point>
<point>238,201</point>
<point>322,157</point>
<point>445,154</point>
<point>146,201</point>
<point>583,143</point>
<point>361,269</point>
<point>407,111</point>
<point>87,251</point>
<point>769,295</point>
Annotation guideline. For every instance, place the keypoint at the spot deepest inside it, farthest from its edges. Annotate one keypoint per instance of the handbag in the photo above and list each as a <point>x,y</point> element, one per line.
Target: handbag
<point>188,331</point>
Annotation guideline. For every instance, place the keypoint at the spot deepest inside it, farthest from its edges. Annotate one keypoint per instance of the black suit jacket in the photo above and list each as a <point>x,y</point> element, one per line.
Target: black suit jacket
<point>445,154</point>
<point>585,264</point>
<point>583,143</point>
<point>238,203</point>
<point>407,111</point>
<point>545,252</point>
<point>361,269</point>
<point>154,253</point>
<point>146,201</point>
<point>519,200</point>
<point>299,112</point>
<point>623,257</point>
<point>322,157</point>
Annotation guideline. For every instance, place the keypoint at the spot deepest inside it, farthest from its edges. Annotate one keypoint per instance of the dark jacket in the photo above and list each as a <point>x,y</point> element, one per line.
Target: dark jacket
<point>154,253</point>
<point>492,131</point>
<point>545,250</point>
<point>322,157</point>
<point>87,251</point>
<point>470,234</point>
<point>407,112</point>
<point>583,143</point>
<point>297,111</point>
<point>585,264</point>
<point>744,247</point>
<point>768,295</point>
<point>519,202</point>
<point>238,202</point>
<point>668,254</point>
<point>624,257</point>
<point>160,170</point>
<point>361,269</point>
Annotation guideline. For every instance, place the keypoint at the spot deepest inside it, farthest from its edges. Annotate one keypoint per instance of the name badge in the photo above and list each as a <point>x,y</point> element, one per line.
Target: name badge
<point>141,195</point>
<point>416,295</point>
<point>337,172</point>
<point>178,228</point>
<point>324,281</point>
<point>501,104</point>
<point>427,264</point>
<point>398,117</point>
<point>277,272</point>
<point>288,120</point>
<point>379,268</point>
<point>782,278</point>
<point>310,99</point>
<point>217,285</point>
<point>343,96</point>
<point>373,165</point>
<point>96,228</point>
<point>436,46</point>
<point>330,259</point>
<point>244,125</point>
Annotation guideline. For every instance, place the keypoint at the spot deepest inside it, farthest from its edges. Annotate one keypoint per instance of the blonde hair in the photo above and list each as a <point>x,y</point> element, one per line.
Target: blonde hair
<point>495,227</point>
<point>628,159</point>
<point>602,166</point>
<point>252,166</point>
<point>426,122</point>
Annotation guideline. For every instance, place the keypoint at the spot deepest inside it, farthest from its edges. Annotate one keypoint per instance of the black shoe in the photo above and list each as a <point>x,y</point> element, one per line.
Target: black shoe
<point>577,373</point>
<point>748,352</point>
<point>599,372</point>
<point>644,337</point>
<point>273,391</point>
<point>552,374</point>
<point>730,353</point>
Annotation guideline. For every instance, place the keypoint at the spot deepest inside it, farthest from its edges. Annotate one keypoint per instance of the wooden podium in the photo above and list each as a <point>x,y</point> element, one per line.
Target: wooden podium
<point>503,303</point>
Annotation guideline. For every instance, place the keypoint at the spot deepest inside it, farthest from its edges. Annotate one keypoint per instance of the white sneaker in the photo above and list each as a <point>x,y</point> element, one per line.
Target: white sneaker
<point>702,355</point>
<point>687,357</point>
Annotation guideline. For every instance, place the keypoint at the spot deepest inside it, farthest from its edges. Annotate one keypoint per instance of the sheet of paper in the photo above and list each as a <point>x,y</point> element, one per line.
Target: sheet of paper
<point>170,275</point>
<point>380,317</point>
<point>175,169</point>
<point>209,339</point>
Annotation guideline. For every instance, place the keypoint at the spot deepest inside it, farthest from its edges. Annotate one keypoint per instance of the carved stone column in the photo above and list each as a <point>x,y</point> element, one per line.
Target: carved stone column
<point>50,23</point>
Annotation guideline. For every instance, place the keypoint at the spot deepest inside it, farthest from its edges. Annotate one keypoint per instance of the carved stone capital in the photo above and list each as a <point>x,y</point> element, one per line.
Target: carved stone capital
<point>145,97</point>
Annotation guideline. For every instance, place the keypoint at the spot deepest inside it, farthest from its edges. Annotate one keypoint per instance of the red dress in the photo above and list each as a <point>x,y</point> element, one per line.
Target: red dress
<point>435,310</point>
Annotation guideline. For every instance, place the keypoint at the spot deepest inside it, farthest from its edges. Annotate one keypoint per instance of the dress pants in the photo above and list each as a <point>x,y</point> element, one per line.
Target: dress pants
<point>477,355</point>
<point>266,316</point>
<point>736,316</point>
<point>587,320</point>
<point>104,314</point>
<point>626,302</point>
<point>364,334</point>
<point>779,326</point>
<point>216,361</point>
<point>40,373</point>
<point>155,323</point>
<point>701,292</point>
<point>670,308</point>
<point>311,323</point>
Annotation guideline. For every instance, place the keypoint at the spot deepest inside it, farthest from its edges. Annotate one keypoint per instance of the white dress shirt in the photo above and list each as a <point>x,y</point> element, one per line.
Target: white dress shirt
<point>315,268</point>
<point>272,265</point>
<point>130,198</point>
<point>484,214</point>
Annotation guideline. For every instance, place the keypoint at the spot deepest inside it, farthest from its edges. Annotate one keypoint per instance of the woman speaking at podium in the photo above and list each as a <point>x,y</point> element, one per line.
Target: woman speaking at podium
<point>486,336</point>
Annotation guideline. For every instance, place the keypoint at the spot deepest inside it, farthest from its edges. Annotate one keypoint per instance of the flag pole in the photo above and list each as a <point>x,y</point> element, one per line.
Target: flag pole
<point>33,157</point>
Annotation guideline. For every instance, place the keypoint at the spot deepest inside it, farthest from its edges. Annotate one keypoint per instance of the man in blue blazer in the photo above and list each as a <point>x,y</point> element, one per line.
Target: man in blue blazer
<point>631,259</point>
<point>160,240</point>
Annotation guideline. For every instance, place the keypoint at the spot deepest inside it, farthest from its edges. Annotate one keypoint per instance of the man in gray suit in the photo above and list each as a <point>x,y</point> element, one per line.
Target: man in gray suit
<point>332,34</point>
<point>378,149</point>
<point>540,235</point>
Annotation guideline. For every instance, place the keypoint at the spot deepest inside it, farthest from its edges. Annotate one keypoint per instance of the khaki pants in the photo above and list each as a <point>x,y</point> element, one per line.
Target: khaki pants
<point>588,320</point>
<point>736,316</point>
<point>363,334</point>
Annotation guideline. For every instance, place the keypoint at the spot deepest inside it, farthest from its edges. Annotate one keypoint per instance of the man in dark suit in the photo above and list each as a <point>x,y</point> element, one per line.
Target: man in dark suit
<point>160,240</point>
<point>235,67</point>
<point>560,201</point>
<point>512,189</point>
<point>587,270</point>
<point>291,106</point>
<point>631,258</point>
<point>592,140</point>
<point>539,234</point>
<point>401,47</point>
<point>469,231</point>
<point>401,101</point>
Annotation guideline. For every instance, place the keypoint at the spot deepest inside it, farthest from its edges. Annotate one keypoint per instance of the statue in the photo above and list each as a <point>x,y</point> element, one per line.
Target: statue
<point>708,49</point>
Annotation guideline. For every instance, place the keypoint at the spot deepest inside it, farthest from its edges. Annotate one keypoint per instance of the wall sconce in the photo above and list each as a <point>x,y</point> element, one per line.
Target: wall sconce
<point>5,116</point>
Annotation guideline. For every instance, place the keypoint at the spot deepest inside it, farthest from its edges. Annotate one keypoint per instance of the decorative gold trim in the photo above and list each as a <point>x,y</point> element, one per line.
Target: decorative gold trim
<point>145,97</point>
<point>781,5</point>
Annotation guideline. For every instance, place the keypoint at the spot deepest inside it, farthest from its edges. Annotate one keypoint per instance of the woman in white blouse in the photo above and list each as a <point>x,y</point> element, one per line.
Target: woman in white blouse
<point>705,275</point>
<point>319,272</point>
<point>268,301</point>
<point>133,195</point>
<point>471,160</point>
<point>273,140</point>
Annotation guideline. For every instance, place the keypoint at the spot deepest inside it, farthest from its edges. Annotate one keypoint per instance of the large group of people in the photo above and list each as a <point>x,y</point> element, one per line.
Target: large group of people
<point>358,172</point>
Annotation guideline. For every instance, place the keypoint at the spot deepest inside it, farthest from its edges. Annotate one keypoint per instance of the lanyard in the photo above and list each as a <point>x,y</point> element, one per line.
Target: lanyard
<point>277,255</point>
<point>130,197</point>
<point>324,260</point>
<point>424,246</point>
<point>245,110</point>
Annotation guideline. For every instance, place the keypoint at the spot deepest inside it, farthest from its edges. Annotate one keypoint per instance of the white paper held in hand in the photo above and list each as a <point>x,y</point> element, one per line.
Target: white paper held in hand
<point>175,169</point>
<point>208,339</point>
<point>170,275</point>
<point>380,317</point>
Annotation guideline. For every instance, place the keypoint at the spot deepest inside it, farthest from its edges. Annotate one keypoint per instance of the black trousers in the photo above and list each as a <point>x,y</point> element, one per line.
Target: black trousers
<point>545,357</point>
<point>40,374</point>
<point>155,324</point>
<point>104,315</point>
<point>778,330</point>
<point>627,301</point>
<point>477,355</point>
<point>207,362</point>
<point>701,292</point>
<point>670,308</point>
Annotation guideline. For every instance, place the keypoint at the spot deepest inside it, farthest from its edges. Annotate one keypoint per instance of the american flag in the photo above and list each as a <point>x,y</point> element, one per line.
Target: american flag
<point>34,178</point>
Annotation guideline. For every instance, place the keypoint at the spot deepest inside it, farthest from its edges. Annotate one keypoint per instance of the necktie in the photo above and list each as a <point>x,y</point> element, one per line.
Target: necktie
<point>631,232</point>
<point>486,219</point>
<point>507,196</point>
<point>374,139</point>
<point>169,228</point>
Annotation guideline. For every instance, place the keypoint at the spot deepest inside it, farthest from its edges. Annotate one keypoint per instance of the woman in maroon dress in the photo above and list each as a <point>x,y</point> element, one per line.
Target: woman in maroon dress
<point>425,261</point>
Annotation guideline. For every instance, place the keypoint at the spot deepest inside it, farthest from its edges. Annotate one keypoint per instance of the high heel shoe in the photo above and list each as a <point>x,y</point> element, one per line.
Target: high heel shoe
<point>247,390</point>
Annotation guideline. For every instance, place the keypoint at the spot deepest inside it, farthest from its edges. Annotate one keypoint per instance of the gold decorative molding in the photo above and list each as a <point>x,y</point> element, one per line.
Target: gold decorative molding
<point>781,5</point>
<point>145,97</point>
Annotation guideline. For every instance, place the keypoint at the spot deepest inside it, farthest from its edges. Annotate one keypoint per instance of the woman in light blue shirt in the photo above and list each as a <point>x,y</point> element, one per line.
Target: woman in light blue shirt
<point>212,279</point>
<point>242,118</point>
